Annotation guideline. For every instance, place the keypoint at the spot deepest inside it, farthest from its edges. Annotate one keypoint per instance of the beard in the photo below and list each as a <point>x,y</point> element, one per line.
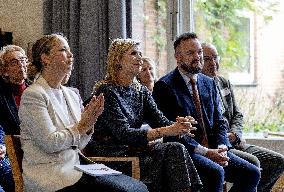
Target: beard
<point>193,67</point>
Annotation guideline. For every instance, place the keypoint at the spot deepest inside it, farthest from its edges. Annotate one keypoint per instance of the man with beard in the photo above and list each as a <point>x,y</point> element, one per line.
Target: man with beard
<point>272,163</point>
<point>185,91</point>
<point>13,64</point>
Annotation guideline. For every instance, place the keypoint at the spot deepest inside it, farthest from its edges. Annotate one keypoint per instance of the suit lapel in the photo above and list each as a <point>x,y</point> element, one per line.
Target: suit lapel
<point>222,101</point>
<point>72,105</point>
<point>201,88</point>
<point>185,97</point>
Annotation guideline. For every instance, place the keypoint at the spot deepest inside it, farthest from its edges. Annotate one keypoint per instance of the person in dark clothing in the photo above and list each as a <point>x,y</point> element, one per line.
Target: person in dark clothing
<point>165,167</point>
<point>13,63</point>
<point>271,162</point>
<point>186,91</point>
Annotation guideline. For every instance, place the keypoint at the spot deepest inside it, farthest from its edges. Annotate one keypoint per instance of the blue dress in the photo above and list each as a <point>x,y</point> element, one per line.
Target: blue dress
<point>6,176</point>
<point>164,166</point>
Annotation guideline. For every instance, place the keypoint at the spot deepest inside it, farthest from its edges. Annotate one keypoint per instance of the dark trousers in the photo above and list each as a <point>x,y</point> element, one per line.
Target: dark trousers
<point>244,175</point>
<point>272,165</point>
<point>6,176</point>
<point>109,183</point>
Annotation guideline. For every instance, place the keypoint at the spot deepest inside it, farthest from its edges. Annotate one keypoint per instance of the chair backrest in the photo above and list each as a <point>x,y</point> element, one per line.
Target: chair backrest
<point>15,155</point>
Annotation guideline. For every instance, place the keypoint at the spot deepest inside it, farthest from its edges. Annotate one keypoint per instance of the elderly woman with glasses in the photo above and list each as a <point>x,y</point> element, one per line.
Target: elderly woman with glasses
<point>165,167</point>
<point>13,64</point>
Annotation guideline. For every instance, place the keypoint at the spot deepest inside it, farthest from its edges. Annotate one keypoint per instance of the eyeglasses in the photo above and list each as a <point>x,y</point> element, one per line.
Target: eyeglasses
<point>215,58</point>
<point>19,60</point>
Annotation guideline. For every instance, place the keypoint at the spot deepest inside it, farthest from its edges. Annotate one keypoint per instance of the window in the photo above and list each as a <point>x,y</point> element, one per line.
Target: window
<point>233,35</point>
<point>248,42</point>
<point>244,72</point>
<point>156,23</point>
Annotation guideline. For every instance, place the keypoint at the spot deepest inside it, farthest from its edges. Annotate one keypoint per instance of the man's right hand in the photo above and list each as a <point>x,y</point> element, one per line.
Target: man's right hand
<point>232,137</point>
<point>218,156</point>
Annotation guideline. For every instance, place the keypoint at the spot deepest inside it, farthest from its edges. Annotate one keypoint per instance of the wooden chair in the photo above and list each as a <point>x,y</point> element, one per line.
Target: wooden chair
<point>15,155</point>
<point>135,168</point>
<point>279,185</point>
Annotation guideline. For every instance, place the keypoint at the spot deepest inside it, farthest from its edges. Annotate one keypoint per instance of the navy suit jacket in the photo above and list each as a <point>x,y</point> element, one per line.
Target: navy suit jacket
<point>174,99</point>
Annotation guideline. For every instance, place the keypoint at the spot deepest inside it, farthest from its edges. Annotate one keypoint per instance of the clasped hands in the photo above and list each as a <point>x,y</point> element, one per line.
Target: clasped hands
<point>219,155</point>
<point>183,125</point>
<point>90,114</point>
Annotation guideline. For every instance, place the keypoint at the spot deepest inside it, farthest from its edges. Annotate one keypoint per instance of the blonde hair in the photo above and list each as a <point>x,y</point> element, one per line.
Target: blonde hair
<point>117,49</point>
<point>152,63</point>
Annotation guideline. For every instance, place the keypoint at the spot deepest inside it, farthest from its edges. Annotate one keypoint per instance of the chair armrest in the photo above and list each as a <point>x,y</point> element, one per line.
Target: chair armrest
<point>134,163</point>
<point>15,155</point>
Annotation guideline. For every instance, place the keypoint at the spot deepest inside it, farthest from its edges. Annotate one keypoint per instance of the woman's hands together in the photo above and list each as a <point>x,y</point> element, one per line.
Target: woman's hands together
<point>91,113</point>
<point>183,125</point>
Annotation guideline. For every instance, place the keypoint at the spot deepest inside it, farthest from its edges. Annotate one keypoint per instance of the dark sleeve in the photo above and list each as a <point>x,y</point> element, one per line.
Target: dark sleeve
<point>114,121</point>
<point>1,135</point>
<point>236,124</point>
<point>166,100</point>
<point>168,104</point>
<point>220,127</point>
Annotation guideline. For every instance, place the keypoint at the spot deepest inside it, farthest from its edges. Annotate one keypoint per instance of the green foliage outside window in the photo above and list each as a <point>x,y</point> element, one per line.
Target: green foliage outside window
<point>270,117</point>
<point>159,37</point>
<point>219,22</point>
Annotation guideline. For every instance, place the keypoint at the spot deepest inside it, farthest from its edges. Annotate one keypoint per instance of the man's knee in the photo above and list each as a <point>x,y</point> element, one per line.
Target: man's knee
<point>218,172</point>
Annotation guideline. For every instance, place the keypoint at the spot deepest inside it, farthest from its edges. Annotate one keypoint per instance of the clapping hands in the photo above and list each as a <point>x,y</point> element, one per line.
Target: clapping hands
<point>91,113</point>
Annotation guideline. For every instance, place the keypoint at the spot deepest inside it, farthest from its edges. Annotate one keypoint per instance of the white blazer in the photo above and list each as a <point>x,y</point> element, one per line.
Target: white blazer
<point>48,138</point>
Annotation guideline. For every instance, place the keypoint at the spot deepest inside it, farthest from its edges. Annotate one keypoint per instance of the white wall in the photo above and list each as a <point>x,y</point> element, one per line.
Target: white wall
<point>24,18</point>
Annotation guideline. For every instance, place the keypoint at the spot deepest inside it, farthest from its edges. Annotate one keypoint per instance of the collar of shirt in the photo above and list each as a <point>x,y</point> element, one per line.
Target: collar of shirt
<point>186,77</point>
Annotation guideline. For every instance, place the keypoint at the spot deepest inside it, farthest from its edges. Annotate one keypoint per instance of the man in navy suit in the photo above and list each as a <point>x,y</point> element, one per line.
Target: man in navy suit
<point>174,96</point>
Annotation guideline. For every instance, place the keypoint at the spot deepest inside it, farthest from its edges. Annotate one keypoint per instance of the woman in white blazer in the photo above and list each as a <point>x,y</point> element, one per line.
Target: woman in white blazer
<point>53,129</point>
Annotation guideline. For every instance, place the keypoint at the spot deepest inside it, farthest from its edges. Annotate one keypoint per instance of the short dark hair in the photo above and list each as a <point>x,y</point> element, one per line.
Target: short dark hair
<point>184,36</point>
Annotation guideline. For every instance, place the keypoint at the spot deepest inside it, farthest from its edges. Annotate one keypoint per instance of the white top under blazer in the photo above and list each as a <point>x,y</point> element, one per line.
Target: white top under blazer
<point>49,139</point>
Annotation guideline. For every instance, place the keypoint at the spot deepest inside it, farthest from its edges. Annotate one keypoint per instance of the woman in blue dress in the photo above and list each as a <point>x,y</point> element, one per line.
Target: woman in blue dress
<point>164,167</point>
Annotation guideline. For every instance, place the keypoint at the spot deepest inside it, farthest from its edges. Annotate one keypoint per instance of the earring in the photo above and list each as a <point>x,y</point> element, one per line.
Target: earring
<point>118,66</point>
